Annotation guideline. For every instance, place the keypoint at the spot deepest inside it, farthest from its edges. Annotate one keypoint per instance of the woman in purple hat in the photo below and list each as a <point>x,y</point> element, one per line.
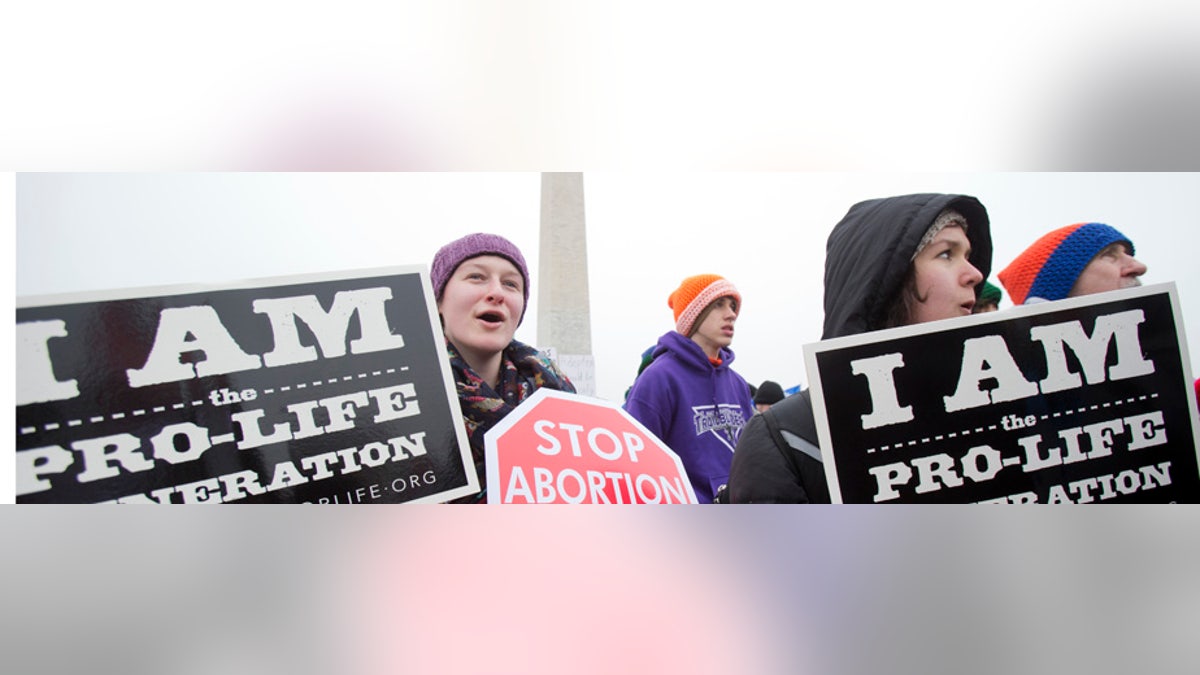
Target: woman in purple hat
<point>481,284</point>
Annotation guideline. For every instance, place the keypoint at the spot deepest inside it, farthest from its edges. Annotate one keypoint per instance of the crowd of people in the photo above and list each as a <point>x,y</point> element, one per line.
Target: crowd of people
<point>890,262</point>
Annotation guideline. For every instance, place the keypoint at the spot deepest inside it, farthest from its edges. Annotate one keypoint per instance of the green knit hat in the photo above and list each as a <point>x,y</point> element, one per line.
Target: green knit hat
<point>990,293</point>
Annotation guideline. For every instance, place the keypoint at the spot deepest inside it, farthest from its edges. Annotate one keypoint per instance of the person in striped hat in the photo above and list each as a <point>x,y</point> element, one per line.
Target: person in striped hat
<point>1075,260</point>
<point>689,396</point>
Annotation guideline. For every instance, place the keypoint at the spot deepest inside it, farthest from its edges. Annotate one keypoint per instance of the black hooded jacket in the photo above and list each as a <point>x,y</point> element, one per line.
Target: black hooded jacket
<point>867,258</point>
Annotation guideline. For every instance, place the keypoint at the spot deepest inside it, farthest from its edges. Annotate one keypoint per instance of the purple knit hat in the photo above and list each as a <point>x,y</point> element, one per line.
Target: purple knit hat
<point>450,256</point>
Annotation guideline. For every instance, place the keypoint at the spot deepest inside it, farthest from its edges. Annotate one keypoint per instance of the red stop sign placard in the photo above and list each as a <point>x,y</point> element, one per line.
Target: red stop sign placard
<point>559,448</point>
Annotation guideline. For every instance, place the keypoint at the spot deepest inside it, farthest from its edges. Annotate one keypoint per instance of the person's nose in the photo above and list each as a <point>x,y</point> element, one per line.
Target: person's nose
<point>495,291</point>
<point>1134,267</point>
<point>974,276</point>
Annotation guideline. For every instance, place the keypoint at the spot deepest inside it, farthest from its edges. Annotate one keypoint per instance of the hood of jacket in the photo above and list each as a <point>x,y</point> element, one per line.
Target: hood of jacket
<point>869,252</point>
<point>689,353</point>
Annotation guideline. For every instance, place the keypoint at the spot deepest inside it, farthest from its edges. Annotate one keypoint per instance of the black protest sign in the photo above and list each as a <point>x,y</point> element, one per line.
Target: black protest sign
<point>330,388</point>
<point>1083,400</point>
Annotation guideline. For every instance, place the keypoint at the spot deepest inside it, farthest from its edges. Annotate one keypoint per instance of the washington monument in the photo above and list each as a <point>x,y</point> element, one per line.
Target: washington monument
<point>564,315</point>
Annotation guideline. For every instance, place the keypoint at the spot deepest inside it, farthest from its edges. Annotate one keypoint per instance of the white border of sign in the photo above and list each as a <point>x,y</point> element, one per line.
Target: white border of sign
<point>814,376</point>
<point>449,387</point>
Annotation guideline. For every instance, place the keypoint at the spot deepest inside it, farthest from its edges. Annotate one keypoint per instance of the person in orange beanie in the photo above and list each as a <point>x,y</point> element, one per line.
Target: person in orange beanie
<point>689,396</point>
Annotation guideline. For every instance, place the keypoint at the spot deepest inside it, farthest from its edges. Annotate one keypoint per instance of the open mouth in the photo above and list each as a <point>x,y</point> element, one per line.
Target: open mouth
<point>491,317</point>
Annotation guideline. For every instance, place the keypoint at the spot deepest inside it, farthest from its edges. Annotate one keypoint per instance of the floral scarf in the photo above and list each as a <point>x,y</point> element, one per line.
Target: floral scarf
<point>523,370</point>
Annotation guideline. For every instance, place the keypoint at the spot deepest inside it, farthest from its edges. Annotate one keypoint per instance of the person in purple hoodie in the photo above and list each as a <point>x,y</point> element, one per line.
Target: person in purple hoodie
<point>689,396</point>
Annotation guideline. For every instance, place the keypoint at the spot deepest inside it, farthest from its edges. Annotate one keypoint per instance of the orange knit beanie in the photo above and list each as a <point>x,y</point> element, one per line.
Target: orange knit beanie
<point>696,293</point>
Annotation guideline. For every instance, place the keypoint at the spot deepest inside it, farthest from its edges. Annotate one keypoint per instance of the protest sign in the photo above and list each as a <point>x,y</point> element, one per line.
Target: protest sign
<point>559,448</point>
<point>579,368</point>
<point>329,388</point>
<point>1088,399</point>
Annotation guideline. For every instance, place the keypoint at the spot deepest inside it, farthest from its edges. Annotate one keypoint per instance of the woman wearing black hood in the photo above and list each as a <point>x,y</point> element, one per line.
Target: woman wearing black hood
<point>890,262</point>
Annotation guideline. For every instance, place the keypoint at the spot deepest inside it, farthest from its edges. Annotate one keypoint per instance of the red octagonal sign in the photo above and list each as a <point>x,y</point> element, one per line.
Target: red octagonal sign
<point>559,448</point>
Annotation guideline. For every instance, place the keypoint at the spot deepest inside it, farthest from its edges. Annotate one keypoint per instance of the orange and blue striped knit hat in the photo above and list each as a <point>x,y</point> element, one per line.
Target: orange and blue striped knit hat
<point>1048,269</point>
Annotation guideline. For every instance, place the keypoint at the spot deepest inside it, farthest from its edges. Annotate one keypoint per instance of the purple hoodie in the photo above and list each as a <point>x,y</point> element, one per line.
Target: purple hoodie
<point>696,408</point>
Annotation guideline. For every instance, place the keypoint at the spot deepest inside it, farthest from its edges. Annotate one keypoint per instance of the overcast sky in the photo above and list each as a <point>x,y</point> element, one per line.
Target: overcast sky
<point>765,232</point>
